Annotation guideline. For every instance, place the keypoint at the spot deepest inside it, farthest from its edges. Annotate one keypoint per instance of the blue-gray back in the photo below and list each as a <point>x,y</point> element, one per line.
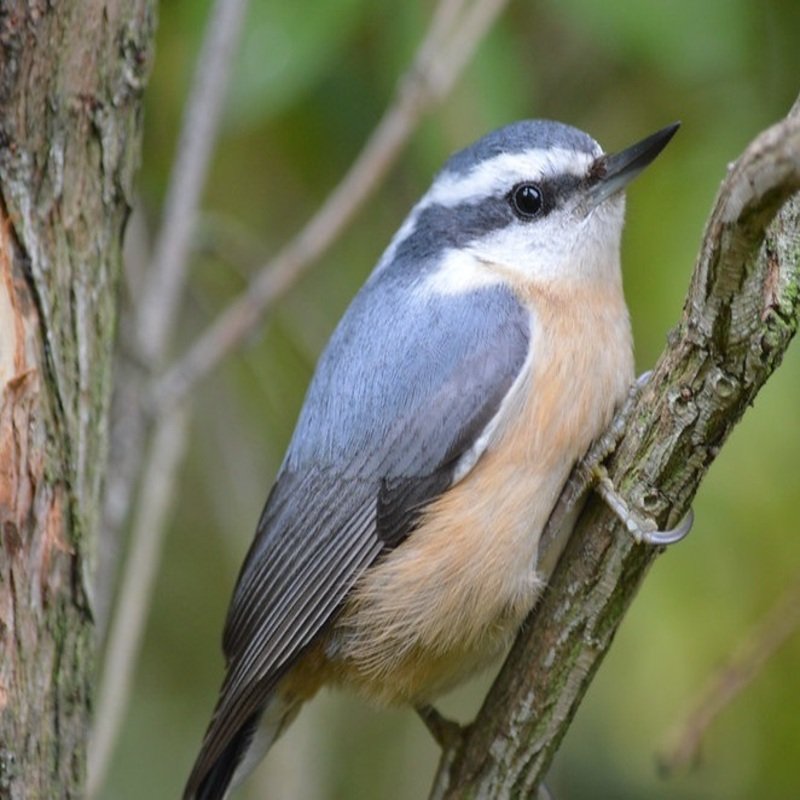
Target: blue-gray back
<point>407,375</point>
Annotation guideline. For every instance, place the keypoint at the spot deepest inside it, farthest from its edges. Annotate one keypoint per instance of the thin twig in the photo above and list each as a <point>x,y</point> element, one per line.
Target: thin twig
<point>432,74</point>
<point>139,578</point>
<point>157,309</point>
<point>155,314</point>
<point>156,296</point>
<point>744,666</point>
<point>127,435</point>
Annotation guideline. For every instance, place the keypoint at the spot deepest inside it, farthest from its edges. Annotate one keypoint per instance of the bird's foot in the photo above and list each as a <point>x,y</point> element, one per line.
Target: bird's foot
<point>584,476</point>
<point>643,529</point>
<point>592,473</point>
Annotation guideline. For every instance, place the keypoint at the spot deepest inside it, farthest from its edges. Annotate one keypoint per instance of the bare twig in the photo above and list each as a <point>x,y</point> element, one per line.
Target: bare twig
<point>157,293</point>
<point>432,74</point>
<point>741,314</point>
<point>155,313</point>
<point>137,586</point>
<point>126,429</point>
<point>158,306</point>
<point>128,438</point>
<point>771,633</point>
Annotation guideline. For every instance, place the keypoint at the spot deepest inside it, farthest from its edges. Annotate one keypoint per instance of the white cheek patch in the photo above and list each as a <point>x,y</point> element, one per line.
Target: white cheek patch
<point>535,251</point>
<point>458,272</point>
<point>499,174</point>
<point>559,246</point>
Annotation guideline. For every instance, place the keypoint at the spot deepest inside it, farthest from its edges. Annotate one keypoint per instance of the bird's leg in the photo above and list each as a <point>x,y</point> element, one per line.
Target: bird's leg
<point>446,732</point>
<point>591,473</point>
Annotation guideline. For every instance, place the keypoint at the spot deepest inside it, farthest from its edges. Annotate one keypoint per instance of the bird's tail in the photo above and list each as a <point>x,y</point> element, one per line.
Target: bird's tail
<point>246,748</point>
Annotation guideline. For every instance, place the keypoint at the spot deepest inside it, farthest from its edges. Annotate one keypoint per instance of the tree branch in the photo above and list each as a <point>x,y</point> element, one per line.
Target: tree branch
<point>150,331</point>
<point>741,313</point>
<point>148,328</point>
<point>141,569</point>
<point>157,310</point>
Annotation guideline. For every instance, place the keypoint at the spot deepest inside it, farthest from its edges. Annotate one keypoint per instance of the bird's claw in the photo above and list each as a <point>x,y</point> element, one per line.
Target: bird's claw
<point>681,530</point>
<point>642,530</point>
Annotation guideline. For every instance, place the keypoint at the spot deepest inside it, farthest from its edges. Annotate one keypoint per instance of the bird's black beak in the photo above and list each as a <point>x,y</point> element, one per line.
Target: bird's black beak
<point>612,172</point>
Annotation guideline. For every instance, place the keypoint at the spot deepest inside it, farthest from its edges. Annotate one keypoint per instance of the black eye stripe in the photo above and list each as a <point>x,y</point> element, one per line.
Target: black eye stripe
<point>553,191</point>
<point>438,227</point>
<point>562,186</point>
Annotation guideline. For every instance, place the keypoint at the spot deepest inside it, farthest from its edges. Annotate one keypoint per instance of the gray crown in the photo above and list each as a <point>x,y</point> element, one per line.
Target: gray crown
<point>518,137</point>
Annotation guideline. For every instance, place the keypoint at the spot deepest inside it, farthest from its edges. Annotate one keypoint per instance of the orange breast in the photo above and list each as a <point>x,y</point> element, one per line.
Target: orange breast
<point>449,599</point>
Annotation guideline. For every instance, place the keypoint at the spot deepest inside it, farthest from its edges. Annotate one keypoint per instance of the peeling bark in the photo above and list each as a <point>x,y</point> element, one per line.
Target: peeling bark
<point>739,317</point>
<point>71,77</point>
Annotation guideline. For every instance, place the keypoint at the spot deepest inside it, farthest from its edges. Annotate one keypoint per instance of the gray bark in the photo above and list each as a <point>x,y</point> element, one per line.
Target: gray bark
<point>71,80</point>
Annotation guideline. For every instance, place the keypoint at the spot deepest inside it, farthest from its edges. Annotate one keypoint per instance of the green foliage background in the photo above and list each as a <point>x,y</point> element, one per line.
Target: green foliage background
<point>313,76</point>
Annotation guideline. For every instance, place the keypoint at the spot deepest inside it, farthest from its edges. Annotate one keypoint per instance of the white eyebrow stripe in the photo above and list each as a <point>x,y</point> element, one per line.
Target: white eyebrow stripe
<point>502,171</point>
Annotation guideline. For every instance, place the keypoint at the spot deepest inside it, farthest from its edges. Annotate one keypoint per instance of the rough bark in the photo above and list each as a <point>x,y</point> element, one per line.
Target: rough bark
<point>738,319</point>
<point>71,79</point>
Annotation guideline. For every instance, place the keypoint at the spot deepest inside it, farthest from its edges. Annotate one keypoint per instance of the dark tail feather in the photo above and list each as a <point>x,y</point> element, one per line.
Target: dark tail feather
<point>213,784</point>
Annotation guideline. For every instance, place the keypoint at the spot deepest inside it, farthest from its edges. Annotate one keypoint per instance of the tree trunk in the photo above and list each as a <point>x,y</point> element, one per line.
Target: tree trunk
<point>71,80</point>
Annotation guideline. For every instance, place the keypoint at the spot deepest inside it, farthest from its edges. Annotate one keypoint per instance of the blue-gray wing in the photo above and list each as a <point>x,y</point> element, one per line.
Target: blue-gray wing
<point>405,387</point>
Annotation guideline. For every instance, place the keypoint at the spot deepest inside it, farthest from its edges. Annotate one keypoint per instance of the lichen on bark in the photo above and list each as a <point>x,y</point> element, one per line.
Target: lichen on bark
<point>71,79</point>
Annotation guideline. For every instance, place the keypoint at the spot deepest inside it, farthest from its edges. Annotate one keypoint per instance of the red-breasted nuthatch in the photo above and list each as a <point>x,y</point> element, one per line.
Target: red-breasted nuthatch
<point>398,551</point>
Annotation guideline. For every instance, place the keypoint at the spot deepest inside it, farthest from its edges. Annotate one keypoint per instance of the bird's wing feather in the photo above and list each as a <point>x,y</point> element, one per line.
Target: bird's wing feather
<point>397,399</point>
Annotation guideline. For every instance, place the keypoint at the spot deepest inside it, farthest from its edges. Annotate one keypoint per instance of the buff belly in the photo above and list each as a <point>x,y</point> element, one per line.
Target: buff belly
<point>449,599</point>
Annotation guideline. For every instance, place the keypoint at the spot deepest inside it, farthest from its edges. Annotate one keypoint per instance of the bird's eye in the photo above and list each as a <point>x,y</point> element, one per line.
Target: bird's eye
<point>526,200</point>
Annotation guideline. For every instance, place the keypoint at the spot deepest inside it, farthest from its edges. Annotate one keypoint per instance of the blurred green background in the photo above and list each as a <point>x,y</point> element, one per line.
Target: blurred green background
<point>311,81</point>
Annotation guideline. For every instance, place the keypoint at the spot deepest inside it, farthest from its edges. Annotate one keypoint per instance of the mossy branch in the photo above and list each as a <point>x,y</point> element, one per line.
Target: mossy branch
<point>738,319</point>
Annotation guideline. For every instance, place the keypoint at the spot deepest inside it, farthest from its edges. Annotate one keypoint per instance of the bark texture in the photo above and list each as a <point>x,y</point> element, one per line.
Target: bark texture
<point>738,319</point>
<point>71,79</point>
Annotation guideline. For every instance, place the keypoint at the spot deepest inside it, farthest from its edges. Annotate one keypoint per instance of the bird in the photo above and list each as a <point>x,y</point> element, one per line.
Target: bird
<point>398,551</point>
